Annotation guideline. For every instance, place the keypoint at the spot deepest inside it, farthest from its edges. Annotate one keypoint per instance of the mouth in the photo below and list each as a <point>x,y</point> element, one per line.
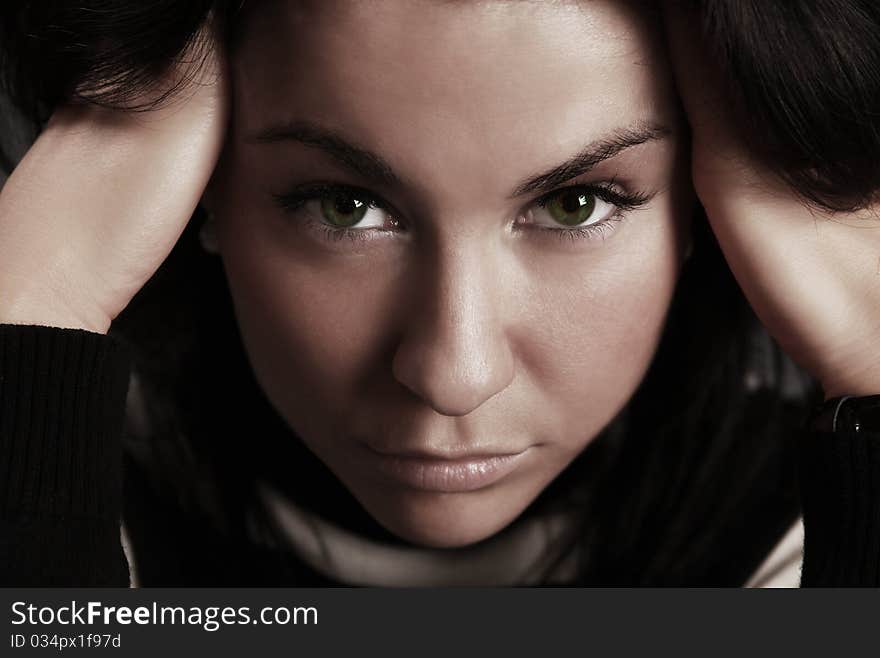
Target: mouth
<point>444,473</point>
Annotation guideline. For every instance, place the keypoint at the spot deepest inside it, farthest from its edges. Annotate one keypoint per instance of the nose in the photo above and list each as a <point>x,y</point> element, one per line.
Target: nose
<point>454,353</point>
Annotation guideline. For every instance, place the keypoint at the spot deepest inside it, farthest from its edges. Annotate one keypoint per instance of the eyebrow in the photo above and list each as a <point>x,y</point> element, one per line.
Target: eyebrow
<point>360,161</point>
<point>371,166</point>
<point>590,156</point>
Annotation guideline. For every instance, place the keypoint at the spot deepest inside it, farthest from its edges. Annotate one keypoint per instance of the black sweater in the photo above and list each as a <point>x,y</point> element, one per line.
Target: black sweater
<point>62,471</point>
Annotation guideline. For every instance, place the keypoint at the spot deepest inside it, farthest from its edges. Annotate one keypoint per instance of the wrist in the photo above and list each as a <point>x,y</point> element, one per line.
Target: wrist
<point>851,389</point>
<point>852,377</point>
<point>51,311</point>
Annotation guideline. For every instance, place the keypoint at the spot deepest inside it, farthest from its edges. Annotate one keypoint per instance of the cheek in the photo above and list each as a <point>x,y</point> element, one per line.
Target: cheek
<point>591,335</point>
<point>313,330</point>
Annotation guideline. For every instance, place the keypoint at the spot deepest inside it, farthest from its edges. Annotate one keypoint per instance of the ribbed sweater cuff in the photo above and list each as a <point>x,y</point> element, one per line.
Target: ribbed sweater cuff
<point>62,403</point>
<point>840,487</point>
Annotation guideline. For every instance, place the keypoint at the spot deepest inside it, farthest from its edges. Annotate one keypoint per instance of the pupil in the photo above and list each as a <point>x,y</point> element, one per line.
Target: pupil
<point>345,205</point>
<point>572,202</point>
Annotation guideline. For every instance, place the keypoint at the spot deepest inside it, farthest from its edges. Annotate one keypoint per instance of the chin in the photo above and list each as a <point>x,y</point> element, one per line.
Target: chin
<point>443,520</point>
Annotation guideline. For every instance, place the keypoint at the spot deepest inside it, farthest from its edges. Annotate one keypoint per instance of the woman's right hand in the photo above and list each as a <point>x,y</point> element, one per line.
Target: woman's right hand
<point>100,199</point>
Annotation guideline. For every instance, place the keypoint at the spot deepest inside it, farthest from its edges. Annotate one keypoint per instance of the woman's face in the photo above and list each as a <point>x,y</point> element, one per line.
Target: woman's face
<point>451,231</point>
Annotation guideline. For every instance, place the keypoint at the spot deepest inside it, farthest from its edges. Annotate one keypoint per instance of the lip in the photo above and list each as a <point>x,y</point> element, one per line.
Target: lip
<point>427,472</point>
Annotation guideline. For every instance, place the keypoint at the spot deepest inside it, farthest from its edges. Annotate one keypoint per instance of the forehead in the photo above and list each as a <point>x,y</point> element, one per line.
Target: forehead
<point>394,72</point>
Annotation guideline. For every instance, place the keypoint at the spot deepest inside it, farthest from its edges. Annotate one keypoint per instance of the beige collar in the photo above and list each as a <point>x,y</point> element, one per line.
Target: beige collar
<point>518,555</point>
<point>782,568</point>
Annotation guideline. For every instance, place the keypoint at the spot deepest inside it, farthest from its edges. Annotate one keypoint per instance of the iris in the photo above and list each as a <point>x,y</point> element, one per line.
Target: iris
<point>571,207</point>
<point>342,210</point>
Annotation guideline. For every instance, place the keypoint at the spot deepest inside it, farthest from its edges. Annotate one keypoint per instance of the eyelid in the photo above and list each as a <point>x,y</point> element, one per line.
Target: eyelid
<point>604,190</point>
<point>297,196</point>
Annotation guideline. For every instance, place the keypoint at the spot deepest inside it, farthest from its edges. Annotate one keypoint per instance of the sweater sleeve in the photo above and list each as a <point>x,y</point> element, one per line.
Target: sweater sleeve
<point>840,490</point>
<point>62,405</point>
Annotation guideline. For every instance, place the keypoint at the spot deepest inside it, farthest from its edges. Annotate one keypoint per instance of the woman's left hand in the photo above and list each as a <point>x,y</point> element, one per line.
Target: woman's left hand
<point>812,276</point>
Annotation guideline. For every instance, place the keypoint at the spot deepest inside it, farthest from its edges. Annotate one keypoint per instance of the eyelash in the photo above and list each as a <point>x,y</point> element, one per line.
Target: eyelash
<point>624,203</point>
<point>295,199</point>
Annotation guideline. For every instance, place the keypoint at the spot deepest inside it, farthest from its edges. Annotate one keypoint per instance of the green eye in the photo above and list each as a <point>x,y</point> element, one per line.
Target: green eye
<point>571,207</point>
<point>343,211</point>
